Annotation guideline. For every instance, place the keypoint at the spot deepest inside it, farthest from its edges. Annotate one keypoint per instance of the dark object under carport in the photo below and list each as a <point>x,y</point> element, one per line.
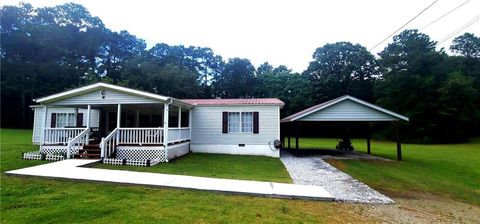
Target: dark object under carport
<point>345,109</point>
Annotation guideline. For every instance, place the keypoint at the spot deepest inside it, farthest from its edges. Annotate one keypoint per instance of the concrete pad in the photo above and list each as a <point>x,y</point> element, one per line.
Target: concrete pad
<point>72,169</point>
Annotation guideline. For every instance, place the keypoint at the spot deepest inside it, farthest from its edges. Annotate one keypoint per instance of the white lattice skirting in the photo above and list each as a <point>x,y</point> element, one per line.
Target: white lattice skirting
<point>52,149</point>
<point>141,153</point>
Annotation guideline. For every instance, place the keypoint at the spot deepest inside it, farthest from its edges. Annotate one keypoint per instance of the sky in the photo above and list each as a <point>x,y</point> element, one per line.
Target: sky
<point>282,32</point>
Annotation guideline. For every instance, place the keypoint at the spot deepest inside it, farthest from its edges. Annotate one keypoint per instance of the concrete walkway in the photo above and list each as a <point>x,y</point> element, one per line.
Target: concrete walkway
<point>71,169</point>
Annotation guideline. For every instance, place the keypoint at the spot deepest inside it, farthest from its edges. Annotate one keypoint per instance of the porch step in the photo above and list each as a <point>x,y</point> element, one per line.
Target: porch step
<point>95,151</point>
<point>91,151</point>
<point>86,156</point>
<point>91,146</point>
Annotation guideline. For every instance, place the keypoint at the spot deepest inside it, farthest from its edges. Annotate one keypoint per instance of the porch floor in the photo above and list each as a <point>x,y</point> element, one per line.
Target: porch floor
<point>74,169</point>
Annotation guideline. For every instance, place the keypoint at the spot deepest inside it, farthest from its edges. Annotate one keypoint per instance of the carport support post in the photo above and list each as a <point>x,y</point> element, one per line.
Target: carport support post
<point>368,138</point>
<point>296,136</point>
<point>399,144</point>
<point>289,133</point>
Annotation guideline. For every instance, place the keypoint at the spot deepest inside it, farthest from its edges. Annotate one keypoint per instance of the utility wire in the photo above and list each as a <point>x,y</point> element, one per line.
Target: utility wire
<point>446,14</point>
<point>404,25</point>
<point>465,26</point>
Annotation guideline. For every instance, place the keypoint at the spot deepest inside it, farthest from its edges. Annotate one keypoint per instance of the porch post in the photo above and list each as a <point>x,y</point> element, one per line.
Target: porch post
<point>119,116</point>
<point>76,117</point>
<point>137,118</point>
<point>165,128</point>
<point>89,109</point>
<point>190,123</point>
<point>179,117</point>
<point>44,122</point>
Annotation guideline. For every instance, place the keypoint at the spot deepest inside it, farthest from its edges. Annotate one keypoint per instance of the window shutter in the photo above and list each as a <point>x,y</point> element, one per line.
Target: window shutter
<point>255,122</point>
<point>225,122</point>
<point>80,120</point>
<point>53,120</point>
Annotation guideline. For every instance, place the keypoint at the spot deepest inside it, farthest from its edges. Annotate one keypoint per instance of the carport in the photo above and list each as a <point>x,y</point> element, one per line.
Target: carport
<point>345,109</point>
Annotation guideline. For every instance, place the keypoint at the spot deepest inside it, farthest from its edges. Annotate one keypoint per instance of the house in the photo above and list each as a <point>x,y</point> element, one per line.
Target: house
<point>118,123</point>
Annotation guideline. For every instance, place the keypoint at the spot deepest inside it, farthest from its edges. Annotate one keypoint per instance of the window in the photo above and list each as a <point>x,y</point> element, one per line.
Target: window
<point>65,120</point>
<point>185,118</point>
<point>247,122</point>
<point>240,122</point>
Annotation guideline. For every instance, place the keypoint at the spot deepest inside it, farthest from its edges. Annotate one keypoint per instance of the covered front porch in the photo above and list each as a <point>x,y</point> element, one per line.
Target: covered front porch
<point>137,128</point>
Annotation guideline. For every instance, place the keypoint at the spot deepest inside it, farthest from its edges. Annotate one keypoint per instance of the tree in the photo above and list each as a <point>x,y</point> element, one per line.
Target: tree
<point>203,61</point>
<point>342,68</point>
<point>161,77</point>
<point>292,88</point>
<point>458,114</point>
<point>264,68</point>
<point>44,51</point>
<point>116,51</point>
<point>237,79</point>
<point>416,83</point>
<point>467,45</point>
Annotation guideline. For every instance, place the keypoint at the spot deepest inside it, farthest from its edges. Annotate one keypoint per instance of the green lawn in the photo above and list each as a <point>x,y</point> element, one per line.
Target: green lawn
<point>43,200</point>
<point>447,170</point>
<point>222,166</point>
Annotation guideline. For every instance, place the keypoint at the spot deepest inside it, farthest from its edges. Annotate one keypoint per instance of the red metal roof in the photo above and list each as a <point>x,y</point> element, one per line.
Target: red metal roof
<point>251,101</point>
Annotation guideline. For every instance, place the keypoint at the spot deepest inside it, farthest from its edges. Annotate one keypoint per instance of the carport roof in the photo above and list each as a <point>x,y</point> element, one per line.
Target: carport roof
<point>345,108</point>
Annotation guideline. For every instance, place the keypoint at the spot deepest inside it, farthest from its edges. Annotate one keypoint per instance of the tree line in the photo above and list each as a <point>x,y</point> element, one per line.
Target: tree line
<point>51,49</point>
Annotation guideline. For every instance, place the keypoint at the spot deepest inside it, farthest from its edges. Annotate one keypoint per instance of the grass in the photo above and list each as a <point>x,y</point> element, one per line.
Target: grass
<point>43,200</point>
<point>258,168</point>
<point>447,170</point>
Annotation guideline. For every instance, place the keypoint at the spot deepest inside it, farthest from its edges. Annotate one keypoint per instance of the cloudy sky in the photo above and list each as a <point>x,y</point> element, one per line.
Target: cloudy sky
<point>278,31</point>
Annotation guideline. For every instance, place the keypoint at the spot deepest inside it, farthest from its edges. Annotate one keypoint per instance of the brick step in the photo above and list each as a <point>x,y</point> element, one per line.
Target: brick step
<point>87,156</point>
<point>89,151</point>
<point>91,146</point>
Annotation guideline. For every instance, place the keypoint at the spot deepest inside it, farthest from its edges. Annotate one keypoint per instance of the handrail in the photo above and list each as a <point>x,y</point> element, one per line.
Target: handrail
<point>75,143</point>
<point>178,134</point>
<point>140,136</point>
<point>60,135</point>
<point>107,145</point>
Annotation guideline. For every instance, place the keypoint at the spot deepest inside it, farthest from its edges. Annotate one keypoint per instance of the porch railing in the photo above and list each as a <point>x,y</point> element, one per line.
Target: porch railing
<point>76,143</point>
<point>178,134</point>
<point>60,135</point>
<point>107,145</point>
<point>147,136</point>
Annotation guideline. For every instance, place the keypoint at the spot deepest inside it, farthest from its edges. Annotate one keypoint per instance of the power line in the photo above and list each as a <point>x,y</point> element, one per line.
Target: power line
<point>404,25</point>
<point>446,14</point>
<point>465,26</point>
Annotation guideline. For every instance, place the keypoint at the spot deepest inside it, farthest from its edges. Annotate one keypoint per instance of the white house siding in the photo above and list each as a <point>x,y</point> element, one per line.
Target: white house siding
<point>111,97</point>
<point>38,119</point>
<point>348,110</point>
<point>207,136</point>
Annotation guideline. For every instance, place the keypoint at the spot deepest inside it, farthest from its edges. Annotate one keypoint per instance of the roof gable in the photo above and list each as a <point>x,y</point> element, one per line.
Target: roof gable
<point>119,93</point>
<point>345,108</point>
<point>110,96</point>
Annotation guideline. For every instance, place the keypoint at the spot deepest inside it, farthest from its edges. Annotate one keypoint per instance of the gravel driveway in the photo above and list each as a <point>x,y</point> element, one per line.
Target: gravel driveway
<point>312,170</point>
